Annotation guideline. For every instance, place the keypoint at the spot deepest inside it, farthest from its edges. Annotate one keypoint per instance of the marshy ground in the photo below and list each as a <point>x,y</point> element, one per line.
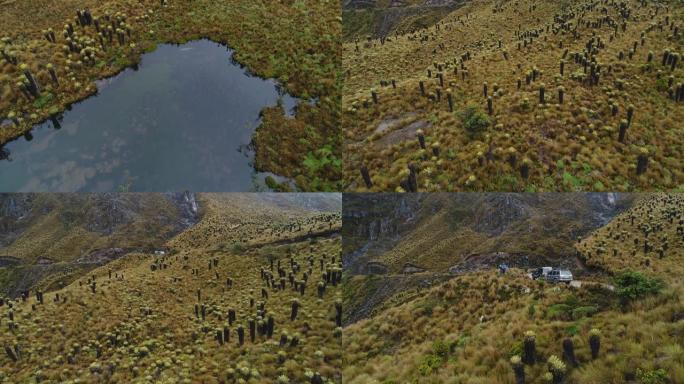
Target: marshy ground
<point>53,52</point>
<point>518,96</point>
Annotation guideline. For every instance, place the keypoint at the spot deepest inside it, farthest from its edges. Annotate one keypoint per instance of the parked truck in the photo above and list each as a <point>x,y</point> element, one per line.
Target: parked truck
<point>554,275</point>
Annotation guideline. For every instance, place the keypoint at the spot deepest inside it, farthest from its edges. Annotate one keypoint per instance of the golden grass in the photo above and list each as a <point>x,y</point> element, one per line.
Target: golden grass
<point>656,222</point>
<point>140,324</point>
<point>467,329</point>
<point>569,146</point>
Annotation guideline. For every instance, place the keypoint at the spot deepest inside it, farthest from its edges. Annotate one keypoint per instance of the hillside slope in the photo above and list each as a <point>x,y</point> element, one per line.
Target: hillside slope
<point>178,317</point>
<point>49,239</point>
<point>370,18</point>
<point>483,327</point>
<point>648,237</point>
<point>436,232</point>
<point>563,79</point>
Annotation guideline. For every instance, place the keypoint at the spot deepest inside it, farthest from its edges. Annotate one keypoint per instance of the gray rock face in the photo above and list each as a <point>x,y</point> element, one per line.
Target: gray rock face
<point>374,268</point>
<point>107,214</point>
<point>15,205</point>
<point>188,207</point>
<point>358,4</point>
<point>398,10</point>
<point>373,225</point>
<point>498,212</point>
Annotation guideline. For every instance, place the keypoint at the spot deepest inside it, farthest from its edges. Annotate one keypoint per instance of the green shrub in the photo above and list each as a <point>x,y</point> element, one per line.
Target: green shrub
<point>463,341</point>
<point>430,364</point>
<point>443,348</point>
<point>440,354</point>
<point>238,248</point>
<point>558,311</point>
<point>425,308</point>
<point>271,182</point>
<point>516,349</point>
<point>585,311</point>
<point>658,376</point>
<point>474,120</point>
<point>572,330</point>
<point>631,285</point>
<point>661,84</point>
<point>43,100</point>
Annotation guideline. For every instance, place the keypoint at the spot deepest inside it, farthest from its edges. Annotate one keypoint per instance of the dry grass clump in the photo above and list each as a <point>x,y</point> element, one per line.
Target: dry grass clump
<point>198,314</point>
<point>52,52</point>
<point>524,96</point>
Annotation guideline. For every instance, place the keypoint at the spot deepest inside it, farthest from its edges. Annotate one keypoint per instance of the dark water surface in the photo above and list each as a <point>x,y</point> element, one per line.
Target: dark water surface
<point>181,121</point>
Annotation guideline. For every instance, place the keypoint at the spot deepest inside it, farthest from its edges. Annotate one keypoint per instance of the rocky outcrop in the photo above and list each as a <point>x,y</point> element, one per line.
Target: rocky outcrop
<point>107,212</point>
<point>411,268</point>
<point>375,224</point>
<point>358,4</point>
<point>372,226</point>
<point>15,206</point>
<point>102,256</point>
<point>188,207</point>
<point>14,210</point>
<point>375,268</point>
<point>498,211</point>
<point>111,216</point>
<point>396,11</point>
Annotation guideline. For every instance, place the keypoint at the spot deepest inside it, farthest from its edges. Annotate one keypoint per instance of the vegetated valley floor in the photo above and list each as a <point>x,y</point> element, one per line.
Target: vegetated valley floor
<point>64,49</point>
<point>622,323</point>
<point>526,95</point>
<point>247,295</point>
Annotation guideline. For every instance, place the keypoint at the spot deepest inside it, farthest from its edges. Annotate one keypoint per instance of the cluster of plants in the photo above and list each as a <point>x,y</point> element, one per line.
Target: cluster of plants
<point>496,97</point>
<point>646,239</point>
<point>614,324</point>
<point>268,313</point>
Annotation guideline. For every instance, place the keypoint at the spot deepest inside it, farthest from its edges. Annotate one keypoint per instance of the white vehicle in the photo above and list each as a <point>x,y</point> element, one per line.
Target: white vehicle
<point>559,276</point>
<point>541,273</point>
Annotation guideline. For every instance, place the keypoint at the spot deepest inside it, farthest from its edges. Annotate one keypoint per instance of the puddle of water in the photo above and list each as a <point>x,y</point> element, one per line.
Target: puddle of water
<point>182,121</point>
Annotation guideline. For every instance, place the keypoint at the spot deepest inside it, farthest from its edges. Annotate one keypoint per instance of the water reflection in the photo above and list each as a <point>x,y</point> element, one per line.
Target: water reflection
<point>181,121</point>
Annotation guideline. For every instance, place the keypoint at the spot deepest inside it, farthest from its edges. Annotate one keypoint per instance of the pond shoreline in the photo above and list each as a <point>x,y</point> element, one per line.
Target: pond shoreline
<point>111,72</point>
<point>189,81</point>
<point>94,88</point>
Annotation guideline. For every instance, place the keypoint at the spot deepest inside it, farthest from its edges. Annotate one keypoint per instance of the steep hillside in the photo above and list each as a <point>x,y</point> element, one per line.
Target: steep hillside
<point>264,311</point>
<point>648,237</point>
<point>438,232</point>
<point>268,218</point>
<point>482,327</point>
<point>377,19</point>
<point>50,239</point>
<point>525,95</point>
